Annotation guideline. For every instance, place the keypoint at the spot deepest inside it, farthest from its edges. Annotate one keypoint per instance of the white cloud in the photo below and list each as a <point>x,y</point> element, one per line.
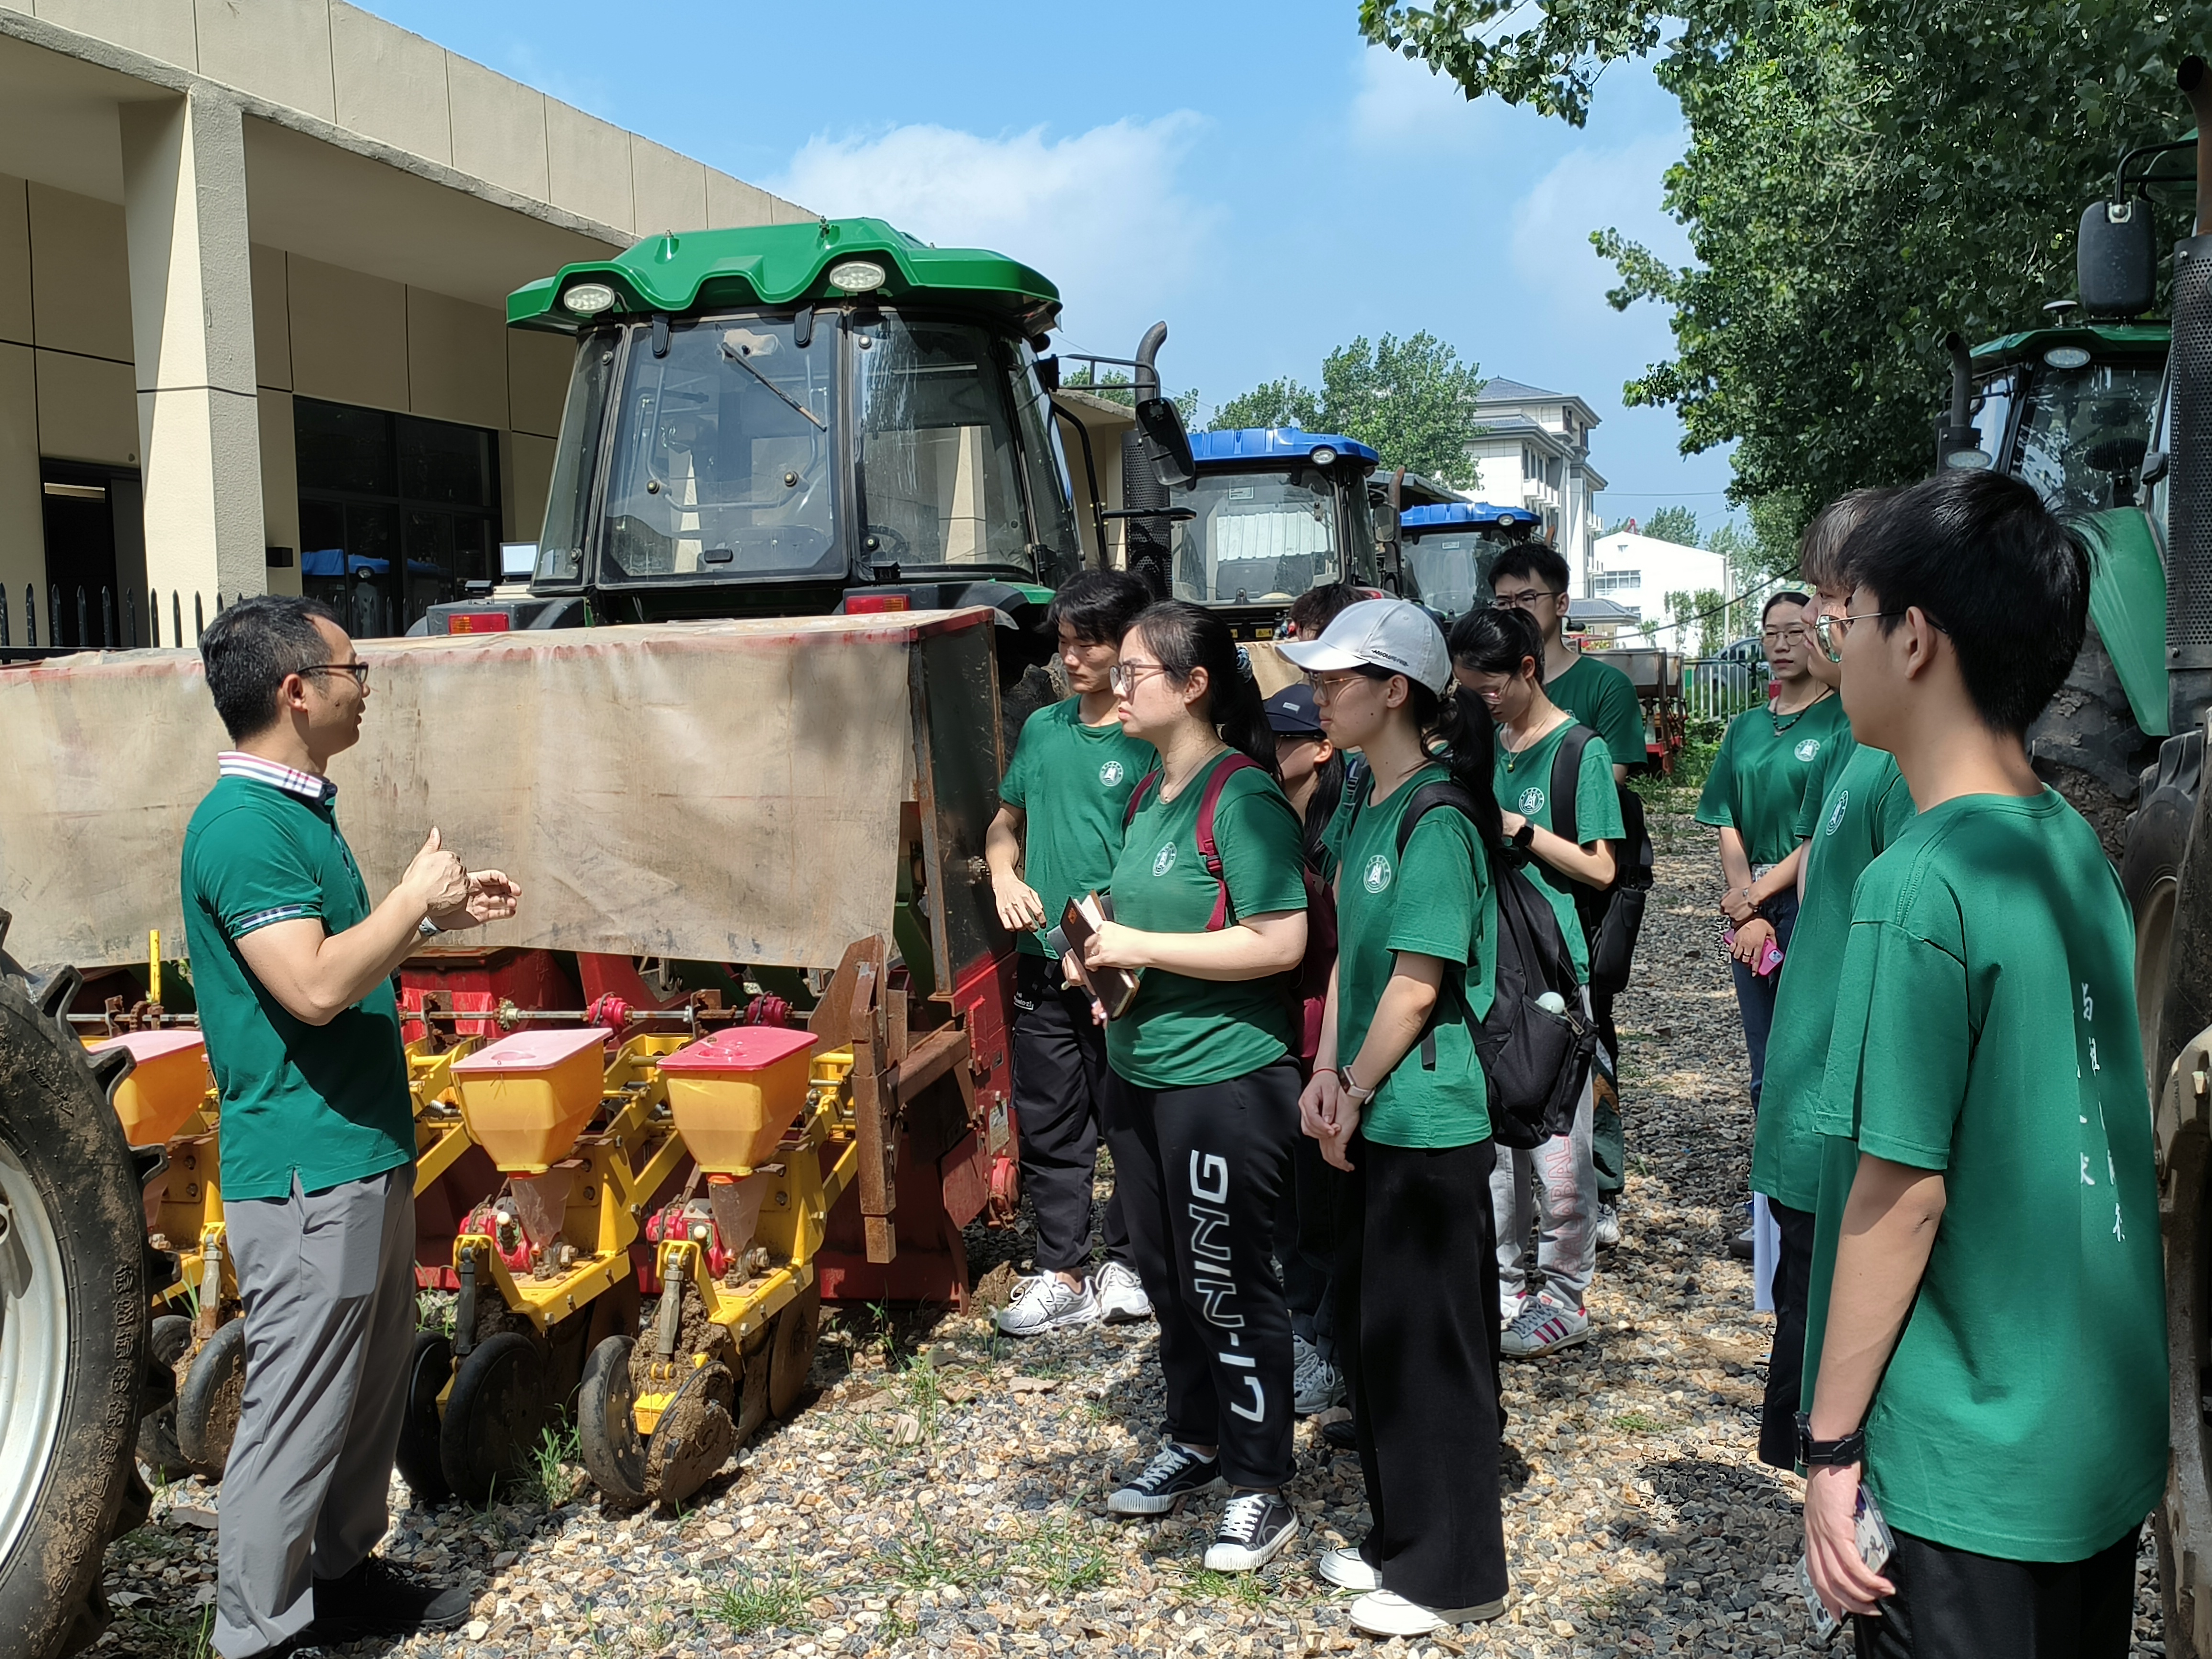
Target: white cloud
<point>1400,104</point>
<point>1588,189</point>
<point>1098,212</point>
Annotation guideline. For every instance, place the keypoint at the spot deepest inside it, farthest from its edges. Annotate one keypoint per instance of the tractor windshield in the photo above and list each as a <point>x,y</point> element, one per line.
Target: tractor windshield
<point>1257,537</point>
<point>2081,432</point>
<point>1451,573</point>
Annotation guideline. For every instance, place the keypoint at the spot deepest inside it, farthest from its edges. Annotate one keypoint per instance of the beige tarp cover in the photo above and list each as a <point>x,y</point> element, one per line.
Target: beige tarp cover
<point>727,790</point>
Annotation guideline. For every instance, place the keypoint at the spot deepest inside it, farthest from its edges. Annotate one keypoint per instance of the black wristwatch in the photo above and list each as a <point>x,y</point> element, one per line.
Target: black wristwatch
<point>1525,836</point>
<point>1828,1454</point>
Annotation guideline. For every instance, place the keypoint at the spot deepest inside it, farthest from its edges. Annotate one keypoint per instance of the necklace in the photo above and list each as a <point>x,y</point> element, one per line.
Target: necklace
<point>1513,756</point>
<point>1782,725</point>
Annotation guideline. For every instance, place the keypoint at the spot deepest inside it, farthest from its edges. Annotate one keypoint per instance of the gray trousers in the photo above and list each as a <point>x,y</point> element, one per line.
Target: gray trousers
<point>328,1281</point>
<point>1555,1187</point>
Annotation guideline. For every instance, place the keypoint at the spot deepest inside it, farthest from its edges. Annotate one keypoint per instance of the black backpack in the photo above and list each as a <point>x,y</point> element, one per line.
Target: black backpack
<point>1612,917</point>
<point>1535,1061</point>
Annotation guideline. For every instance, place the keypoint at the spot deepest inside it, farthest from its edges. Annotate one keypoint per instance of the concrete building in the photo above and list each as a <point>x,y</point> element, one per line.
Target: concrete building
<point>253,261</point>
<point>1639,572</point>
<point>1534,453</point>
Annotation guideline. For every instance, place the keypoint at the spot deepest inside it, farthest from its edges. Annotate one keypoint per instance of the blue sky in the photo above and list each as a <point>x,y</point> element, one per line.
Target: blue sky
<point>1255,174</point>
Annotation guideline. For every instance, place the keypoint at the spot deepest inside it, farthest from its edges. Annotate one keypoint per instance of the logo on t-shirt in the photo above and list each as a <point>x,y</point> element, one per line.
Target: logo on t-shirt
<point>1111,774</point>
<point>1378,873</point>
<point>1836,812</point>
<point>1532,801</point>
<point>1163,860</point>
<point>1807,747</point>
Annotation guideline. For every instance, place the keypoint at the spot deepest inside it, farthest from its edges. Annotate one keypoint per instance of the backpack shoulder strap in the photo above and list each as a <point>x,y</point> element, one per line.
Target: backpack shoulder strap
<point>1137,796</point>
<point>1566,780</point>
<point>1424,800</point>
<point>1227,766</point>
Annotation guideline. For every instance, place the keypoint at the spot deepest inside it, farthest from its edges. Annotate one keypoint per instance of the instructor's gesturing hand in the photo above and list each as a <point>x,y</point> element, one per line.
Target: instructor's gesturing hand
<point>436,876</point>
<point>492,896</point>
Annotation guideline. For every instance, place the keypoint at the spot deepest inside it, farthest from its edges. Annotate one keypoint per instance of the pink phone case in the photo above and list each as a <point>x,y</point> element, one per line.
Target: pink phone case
<point>1770,959</point>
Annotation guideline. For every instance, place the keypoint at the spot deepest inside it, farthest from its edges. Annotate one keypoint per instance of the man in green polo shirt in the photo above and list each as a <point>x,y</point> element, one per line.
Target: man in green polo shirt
<point>1993,1373</point>
<point>293,973</point>
<point>1532,578</point>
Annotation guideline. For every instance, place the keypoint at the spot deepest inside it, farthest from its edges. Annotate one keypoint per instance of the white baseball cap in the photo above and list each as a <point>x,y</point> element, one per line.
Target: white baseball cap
<point>1391,633</point>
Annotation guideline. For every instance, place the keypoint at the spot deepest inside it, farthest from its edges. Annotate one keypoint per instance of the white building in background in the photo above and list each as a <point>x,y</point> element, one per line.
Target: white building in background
<point>1534,451</point>
<point>1637,572</point>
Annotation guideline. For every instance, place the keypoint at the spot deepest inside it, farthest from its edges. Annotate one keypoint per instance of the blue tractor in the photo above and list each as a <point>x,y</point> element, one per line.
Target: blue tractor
<point>1447,550</point>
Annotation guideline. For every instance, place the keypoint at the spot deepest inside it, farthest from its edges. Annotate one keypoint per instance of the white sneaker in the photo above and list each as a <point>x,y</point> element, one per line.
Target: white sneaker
<point>1347,1568</point>
<point>1044,1303</point>
<point>1608,1226</point>
<point>1316,1385</point>
<point>1121,1298</point>
<point>1380,1613</point>
<point>1544,1327</point>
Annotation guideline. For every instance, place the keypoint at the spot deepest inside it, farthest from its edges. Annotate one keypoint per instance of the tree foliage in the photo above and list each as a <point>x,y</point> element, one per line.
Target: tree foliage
<point>1412,401</point>
<point>1860,177</point>
<point>1678,524</point>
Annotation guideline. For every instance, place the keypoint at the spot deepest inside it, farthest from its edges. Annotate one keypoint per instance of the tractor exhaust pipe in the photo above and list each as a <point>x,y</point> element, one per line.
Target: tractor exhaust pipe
<point>1144,497</point>
<point>2189,530</point>
<point>1957,445</point>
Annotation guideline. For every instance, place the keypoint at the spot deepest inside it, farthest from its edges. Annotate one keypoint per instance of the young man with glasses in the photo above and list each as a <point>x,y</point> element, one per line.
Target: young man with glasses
<point>293,971</point>
<point>1057,831</point>
<point>1532,578</point>
<point>1993,1368</point>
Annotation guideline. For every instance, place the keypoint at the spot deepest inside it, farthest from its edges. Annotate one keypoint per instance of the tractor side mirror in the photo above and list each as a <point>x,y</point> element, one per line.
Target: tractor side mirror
<point>1160,422</point>
<point>2115,258</point>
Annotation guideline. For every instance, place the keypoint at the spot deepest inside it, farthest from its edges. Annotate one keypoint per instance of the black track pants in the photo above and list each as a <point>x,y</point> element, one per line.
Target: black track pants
<point>1785,1366</point>
<point>1201,1174</point>
<point>1608,1137</point>
<point>1305,1244</point>
<point>1061,1085</point>
<point>1417,1335</point>
<point>1954,1604</point>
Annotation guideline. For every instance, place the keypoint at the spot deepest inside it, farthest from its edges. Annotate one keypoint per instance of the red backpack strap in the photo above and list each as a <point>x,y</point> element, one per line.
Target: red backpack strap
<point>1137,796</point>
<point>1226,767</point>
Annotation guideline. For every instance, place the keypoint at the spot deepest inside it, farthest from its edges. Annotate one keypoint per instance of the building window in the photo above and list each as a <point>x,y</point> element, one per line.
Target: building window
<point>1605,582</point>
<point>396,513</point>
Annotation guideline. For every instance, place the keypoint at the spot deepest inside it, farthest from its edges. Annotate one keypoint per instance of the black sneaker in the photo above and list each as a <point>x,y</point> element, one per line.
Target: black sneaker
<point>1176,1473</point>
<point>379,1598</point>
<point>1340,1433</point>
<point>1253,1530</point>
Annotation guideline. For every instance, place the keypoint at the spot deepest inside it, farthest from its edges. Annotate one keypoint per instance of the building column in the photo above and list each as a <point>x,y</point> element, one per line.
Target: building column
<point>191,318</point>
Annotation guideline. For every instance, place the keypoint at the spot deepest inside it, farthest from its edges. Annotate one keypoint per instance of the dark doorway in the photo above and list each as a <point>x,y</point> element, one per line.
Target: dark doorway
<point>92,532</point>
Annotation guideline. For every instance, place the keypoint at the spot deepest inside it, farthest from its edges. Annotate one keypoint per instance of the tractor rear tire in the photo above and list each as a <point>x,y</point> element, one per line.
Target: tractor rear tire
<point>2150,871</point>
<point>495,1417</point>
<point>429,1368</point>
<point>209,1399</point>
<point>2087,746</point>
<point>72,1320</point>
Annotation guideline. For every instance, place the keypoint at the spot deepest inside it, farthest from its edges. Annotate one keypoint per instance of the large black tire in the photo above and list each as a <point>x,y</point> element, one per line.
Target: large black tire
<point>2150,871</point>
<point>429,1368</point>
<point>2087,746</point>
<point>72,1320</point>
<point>495,1417</point>
<point>210,1398</point>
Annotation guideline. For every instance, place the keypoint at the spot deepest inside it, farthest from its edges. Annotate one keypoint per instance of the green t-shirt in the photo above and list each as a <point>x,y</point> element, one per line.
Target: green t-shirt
<point>2024,1413</point>
<point>1759,778</point>
<point>1437,903</point>
<point>1072,783</point>
<point>1867,808</point>
<point>328,1103</point>
<point>1181,1032</point>
<point>1523,783</point>
<point>1602,697</point>
<point>1836,752</point>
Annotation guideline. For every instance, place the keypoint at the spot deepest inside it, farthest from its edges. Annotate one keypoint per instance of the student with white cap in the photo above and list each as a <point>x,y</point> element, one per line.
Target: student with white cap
<point>1398,1100</point>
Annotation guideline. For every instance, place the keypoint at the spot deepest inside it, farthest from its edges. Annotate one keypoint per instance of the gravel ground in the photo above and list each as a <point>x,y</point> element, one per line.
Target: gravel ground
<point>944,1495</point>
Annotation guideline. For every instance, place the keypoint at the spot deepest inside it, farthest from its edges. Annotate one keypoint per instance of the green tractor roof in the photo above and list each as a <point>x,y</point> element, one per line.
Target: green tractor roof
<point>2103,339</point>
<point>694,270</point>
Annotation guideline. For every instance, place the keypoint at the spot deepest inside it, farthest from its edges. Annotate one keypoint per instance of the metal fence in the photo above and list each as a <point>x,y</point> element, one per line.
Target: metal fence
<point>1715,689</point>
<point>96,619</point>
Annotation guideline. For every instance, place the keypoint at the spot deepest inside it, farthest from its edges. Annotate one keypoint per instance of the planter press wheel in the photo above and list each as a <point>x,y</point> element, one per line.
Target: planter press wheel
<point>695,1435</point>
<point>791,1350</point>
<point>166,1341</point>
<point>606,1431</point>
<point>493,1418</point>
<point>209,1398</point>
<point>428,1368</point>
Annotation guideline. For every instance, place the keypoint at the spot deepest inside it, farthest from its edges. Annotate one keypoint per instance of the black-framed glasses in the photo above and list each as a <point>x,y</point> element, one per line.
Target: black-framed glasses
<point>1522,598</point>
<point>358,670</point>
<point>1123,676</point>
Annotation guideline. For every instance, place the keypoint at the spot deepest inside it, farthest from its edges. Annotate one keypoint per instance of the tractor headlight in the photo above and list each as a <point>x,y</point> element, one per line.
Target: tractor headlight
<point>2067,357</point>
<point>1324,456</point>
<point>856,275</point>
<point>588,299</point>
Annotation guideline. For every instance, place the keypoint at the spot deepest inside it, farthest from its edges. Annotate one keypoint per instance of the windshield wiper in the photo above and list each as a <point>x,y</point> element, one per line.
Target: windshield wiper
<point>745,363</point>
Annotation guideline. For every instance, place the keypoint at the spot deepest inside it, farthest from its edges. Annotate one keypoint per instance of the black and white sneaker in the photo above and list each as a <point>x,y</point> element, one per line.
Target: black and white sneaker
<point>1175,1474</point>
<point>1253,1530</point>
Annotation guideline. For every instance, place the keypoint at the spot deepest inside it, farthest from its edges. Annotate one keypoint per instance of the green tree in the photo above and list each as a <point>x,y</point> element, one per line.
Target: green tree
<point>1411,400</point>
<point>1115,387</point>
<point>1678,524</point>
<point>1860,177</point>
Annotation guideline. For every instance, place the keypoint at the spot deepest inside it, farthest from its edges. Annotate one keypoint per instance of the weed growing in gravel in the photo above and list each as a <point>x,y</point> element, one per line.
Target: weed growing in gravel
<point>922,1558</point>
<point>554,1479</point>
<point>1246,1588</point>
<point>181,1634</point>
<point>1060,1553</point>
<point>764,1602</point>
<point>923,1393</point>
<point>433,1311</point>
<point>1639,1423</point>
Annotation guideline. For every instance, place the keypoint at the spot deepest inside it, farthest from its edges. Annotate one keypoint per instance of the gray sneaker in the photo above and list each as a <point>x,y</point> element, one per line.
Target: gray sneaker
<point>1543,1327</point>
<point>1044,1303</point>
<point>1608,1225</point>
<point>1316,1385</point>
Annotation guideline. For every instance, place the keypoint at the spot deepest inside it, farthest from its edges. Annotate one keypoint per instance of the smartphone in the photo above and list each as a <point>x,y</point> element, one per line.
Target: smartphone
<point>1875,1547</point>
<point>1769,959</point>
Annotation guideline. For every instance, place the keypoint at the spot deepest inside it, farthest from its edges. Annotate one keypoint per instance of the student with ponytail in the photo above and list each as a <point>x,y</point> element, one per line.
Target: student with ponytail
<point>1209,908</point>
<point>1398,1099</point>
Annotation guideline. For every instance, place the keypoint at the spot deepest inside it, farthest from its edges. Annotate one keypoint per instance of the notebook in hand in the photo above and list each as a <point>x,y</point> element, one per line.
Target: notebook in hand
<point>1115,987</point>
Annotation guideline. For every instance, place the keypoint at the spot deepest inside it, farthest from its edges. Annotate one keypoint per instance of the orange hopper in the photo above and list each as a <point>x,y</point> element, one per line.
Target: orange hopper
<point>735,1093</point>
<point>526,1097</point>
<point>168,1081</point>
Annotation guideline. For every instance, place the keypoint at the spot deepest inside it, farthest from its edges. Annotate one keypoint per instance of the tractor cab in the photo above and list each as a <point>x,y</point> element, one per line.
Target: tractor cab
<point>2067,409</point>
<point>1448,549</point>
<point>1273,512</point>
<point>789,420</point>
